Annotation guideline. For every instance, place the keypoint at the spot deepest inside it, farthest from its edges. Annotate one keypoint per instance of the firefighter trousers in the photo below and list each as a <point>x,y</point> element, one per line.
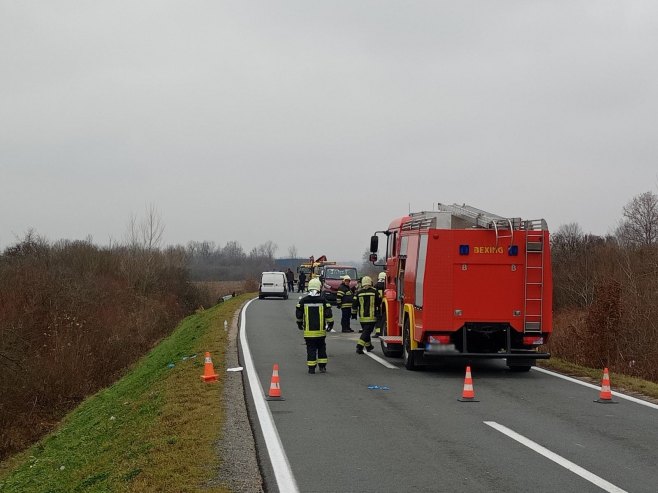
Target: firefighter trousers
<point>364,340</point>
<point>316,351</point>
<point>345,314</point>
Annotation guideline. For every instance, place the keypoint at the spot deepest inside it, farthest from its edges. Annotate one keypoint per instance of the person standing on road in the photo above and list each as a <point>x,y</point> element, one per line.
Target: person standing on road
<point>302,282</point>
<point>380,286</point>
<point>367,304</point>
<point>344,299</point>
<point>290,277</point>
<point>314,317</point>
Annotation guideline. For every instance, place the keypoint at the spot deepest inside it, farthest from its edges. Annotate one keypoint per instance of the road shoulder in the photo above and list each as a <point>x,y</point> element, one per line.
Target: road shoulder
<point>239,470</point>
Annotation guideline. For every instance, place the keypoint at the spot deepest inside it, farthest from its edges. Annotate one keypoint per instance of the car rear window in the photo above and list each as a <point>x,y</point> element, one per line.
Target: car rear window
<point>272,278</point>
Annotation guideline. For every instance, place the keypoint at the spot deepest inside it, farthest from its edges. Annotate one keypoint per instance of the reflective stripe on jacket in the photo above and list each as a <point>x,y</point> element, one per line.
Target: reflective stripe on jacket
<point>314,312</point>
<point>380,286</point>
<point>367,304</point>
<point>344,296</point>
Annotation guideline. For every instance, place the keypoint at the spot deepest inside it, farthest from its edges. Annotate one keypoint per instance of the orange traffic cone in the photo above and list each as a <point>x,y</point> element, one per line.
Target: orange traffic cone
<point>275,391</point>
<point>209,374</point>
<point>605,396</point>
<point>468,395</point>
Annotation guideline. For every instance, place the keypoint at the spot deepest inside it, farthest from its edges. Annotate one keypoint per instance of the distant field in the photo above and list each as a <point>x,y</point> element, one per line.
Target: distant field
<point>223,288</point>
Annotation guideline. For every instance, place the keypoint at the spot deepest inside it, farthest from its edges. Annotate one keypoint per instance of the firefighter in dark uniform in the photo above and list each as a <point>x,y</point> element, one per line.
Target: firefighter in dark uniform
<point>344,297</point>
<point>380,286</point>
<point>302,282</point>
<point>367,305</point>
<point>314,317</point>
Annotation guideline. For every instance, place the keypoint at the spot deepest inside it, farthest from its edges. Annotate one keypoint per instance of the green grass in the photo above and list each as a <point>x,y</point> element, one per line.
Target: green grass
<point>618,381</point>
<point>156,429</point>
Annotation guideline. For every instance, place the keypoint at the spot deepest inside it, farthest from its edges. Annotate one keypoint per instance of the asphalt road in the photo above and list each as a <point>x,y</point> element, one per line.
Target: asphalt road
<point>340,436</point>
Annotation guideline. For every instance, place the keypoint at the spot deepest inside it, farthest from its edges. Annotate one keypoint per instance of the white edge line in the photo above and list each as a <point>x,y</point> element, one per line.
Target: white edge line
<point>558,459</point>
<point>283,473</point>
<point>382,361</point>
<point>592,386</point>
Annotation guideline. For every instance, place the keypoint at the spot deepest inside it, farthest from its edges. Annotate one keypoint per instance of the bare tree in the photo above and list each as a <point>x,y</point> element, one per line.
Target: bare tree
<point>151,228</point>
<point>567,239</point>
<point>146,233</point>
<point>640,224</point>
<point>292,251</point>
<point>268,249</point>
<point>233,251</point>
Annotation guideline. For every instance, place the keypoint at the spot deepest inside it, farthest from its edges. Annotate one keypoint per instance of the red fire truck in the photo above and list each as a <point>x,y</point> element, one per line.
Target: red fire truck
<point>462,282</point>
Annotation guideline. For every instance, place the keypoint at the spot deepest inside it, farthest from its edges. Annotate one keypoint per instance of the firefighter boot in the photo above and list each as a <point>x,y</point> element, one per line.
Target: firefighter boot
<point>323,368</point>
<point>370,348</point>
<point>359,349</point>
<point>311,370</point>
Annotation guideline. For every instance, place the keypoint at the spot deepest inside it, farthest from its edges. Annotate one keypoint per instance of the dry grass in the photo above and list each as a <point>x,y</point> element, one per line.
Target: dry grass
<point>619,382</point>
<point>217,289</point>
<point>154,430</point>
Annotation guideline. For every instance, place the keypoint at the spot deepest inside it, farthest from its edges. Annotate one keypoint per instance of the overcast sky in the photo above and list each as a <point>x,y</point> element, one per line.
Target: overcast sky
<point>313,123</point>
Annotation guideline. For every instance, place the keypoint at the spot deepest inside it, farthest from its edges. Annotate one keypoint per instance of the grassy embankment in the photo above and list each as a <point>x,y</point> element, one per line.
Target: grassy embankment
<point>618,381</point>
<point>154,430</point>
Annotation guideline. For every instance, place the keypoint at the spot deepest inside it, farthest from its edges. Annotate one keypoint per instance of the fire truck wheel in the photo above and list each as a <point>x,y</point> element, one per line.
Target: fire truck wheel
<point>408,355</point>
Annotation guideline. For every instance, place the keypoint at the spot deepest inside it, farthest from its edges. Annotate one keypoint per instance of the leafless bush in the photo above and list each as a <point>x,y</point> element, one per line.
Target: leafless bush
<point>606,305</point>
<point>73,316</point>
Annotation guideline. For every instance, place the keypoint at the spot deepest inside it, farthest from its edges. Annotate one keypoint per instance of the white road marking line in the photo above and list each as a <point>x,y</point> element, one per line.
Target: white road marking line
<point>592,386</point>
<point>558,459</point>
<point>382,361</point>
<point>283,473</point>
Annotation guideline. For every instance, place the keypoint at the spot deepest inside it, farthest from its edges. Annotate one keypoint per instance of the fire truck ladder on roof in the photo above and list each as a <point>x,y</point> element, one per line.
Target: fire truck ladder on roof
<point>483,219</point>
<point>534,276</point>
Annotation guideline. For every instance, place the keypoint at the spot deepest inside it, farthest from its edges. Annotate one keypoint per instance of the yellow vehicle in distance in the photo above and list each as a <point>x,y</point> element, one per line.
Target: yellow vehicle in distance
<point>313,268</point>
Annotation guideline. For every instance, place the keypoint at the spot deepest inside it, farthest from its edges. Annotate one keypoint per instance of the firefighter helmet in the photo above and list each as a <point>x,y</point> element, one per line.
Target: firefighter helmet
<point>381,276</point>
<point>366,281</point>
<point>314,284</point>
<point>347,278</point>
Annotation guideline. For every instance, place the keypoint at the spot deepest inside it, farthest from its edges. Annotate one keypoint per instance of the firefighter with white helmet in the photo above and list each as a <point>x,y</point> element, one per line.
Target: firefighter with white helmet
<point>344,298</point>
<point>380,286</point>
<point>314,317</point>
<point>367,304</point>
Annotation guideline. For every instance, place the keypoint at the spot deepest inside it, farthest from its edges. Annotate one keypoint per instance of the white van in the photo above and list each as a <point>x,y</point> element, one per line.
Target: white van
<point>273,284</point>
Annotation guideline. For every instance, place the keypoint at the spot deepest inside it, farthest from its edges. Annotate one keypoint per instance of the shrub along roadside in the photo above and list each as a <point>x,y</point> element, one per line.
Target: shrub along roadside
<point>73,318</point>
<point>154,430</point>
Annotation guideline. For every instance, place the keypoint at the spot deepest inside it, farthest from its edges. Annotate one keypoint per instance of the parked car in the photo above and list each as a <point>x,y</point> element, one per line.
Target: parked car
<point>273,284</point>
<point>331,277</point>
